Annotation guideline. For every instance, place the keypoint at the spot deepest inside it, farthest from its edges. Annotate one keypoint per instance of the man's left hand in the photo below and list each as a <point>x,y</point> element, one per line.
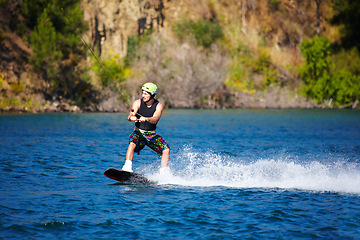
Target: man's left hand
<point>143,119</point>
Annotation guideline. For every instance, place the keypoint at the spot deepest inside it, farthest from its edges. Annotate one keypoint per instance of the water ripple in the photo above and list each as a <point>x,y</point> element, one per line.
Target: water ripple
<point>241,174</point>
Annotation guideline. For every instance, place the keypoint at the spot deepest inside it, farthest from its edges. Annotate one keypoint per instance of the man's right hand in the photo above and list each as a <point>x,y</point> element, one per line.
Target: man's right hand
<point>132,119</point>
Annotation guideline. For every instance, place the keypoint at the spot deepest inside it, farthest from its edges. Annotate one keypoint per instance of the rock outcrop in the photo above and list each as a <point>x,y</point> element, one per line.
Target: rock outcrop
<point>111,22</point>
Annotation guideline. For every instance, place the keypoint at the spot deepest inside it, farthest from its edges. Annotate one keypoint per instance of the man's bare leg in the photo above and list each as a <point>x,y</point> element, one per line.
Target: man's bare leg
<point>130,151</point>
<point>165,158</point>
<point>129,158</point>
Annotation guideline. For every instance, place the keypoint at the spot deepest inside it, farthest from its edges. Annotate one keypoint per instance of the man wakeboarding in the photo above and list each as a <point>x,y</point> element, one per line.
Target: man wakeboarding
<point>146,113</point>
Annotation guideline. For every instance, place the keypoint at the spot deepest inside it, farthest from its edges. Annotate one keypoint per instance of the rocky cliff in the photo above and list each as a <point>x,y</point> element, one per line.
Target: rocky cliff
<point>111,22</point>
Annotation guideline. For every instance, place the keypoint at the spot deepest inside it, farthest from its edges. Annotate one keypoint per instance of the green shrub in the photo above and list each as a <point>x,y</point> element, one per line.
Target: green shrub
<point>316,71</point>
<point>346,88</point>
<point>17,87</point>
<point>323,82</point>
<point>239,76</point>
<point>348,60</point>
<point>244,67</point>
<point>112,73</point>
<point>133,44</point>
<point>205,32</point>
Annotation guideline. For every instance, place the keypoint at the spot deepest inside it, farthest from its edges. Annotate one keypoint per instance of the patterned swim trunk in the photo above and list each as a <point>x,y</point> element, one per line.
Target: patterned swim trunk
<point>150,139</point>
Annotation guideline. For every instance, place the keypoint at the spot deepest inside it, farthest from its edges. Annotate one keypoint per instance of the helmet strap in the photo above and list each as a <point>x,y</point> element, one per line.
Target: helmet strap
<point>151,98</point>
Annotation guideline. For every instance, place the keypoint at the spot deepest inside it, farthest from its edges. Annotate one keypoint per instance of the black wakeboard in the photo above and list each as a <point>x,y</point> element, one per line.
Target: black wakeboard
<point>126,177</point>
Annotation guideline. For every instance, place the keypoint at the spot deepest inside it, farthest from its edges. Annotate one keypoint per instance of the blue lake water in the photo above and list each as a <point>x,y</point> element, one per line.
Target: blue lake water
<point>236,174</point>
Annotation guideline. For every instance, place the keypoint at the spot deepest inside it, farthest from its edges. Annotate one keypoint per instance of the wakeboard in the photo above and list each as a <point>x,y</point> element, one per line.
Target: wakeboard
<point>126,177</point>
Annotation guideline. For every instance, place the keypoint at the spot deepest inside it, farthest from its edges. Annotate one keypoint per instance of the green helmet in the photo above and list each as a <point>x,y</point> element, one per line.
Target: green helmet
<point>150,88</point>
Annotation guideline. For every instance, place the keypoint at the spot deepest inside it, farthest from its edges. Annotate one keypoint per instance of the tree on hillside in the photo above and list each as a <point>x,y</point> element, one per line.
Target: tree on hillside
<point>57,46</point>
<point>46,55</point>
<point>322,82</point>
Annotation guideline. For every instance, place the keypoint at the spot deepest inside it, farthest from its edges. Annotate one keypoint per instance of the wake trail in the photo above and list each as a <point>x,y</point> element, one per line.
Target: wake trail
<point>192,168</point>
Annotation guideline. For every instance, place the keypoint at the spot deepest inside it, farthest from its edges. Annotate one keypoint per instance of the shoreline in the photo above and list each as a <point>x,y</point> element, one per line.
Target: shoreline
<point>77,109</point>
<point>276,98</point>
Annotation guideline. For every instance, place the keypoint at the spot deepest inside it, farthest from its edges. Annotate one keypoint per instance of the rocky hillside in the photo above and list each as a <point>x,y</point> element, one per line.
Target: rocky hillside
<point>113,22</point>
<point>254,62</point>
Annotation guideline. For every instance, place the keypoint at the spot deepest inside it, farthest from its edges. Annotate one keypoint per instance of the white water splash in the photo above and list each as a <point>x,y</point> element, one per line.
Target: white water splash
<point>209,169</point>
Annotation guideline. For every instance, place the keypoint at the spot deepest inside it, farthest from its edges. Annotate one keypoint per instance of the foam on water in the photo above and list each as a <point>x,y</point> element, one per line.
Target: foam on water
<point>207,169</point>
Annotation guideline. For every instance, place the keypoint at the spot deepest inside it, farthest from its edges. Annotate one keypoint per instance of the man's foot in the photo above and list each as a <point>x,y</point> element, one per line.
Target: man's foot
<point>165,170</point>
<point>127,166</point>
